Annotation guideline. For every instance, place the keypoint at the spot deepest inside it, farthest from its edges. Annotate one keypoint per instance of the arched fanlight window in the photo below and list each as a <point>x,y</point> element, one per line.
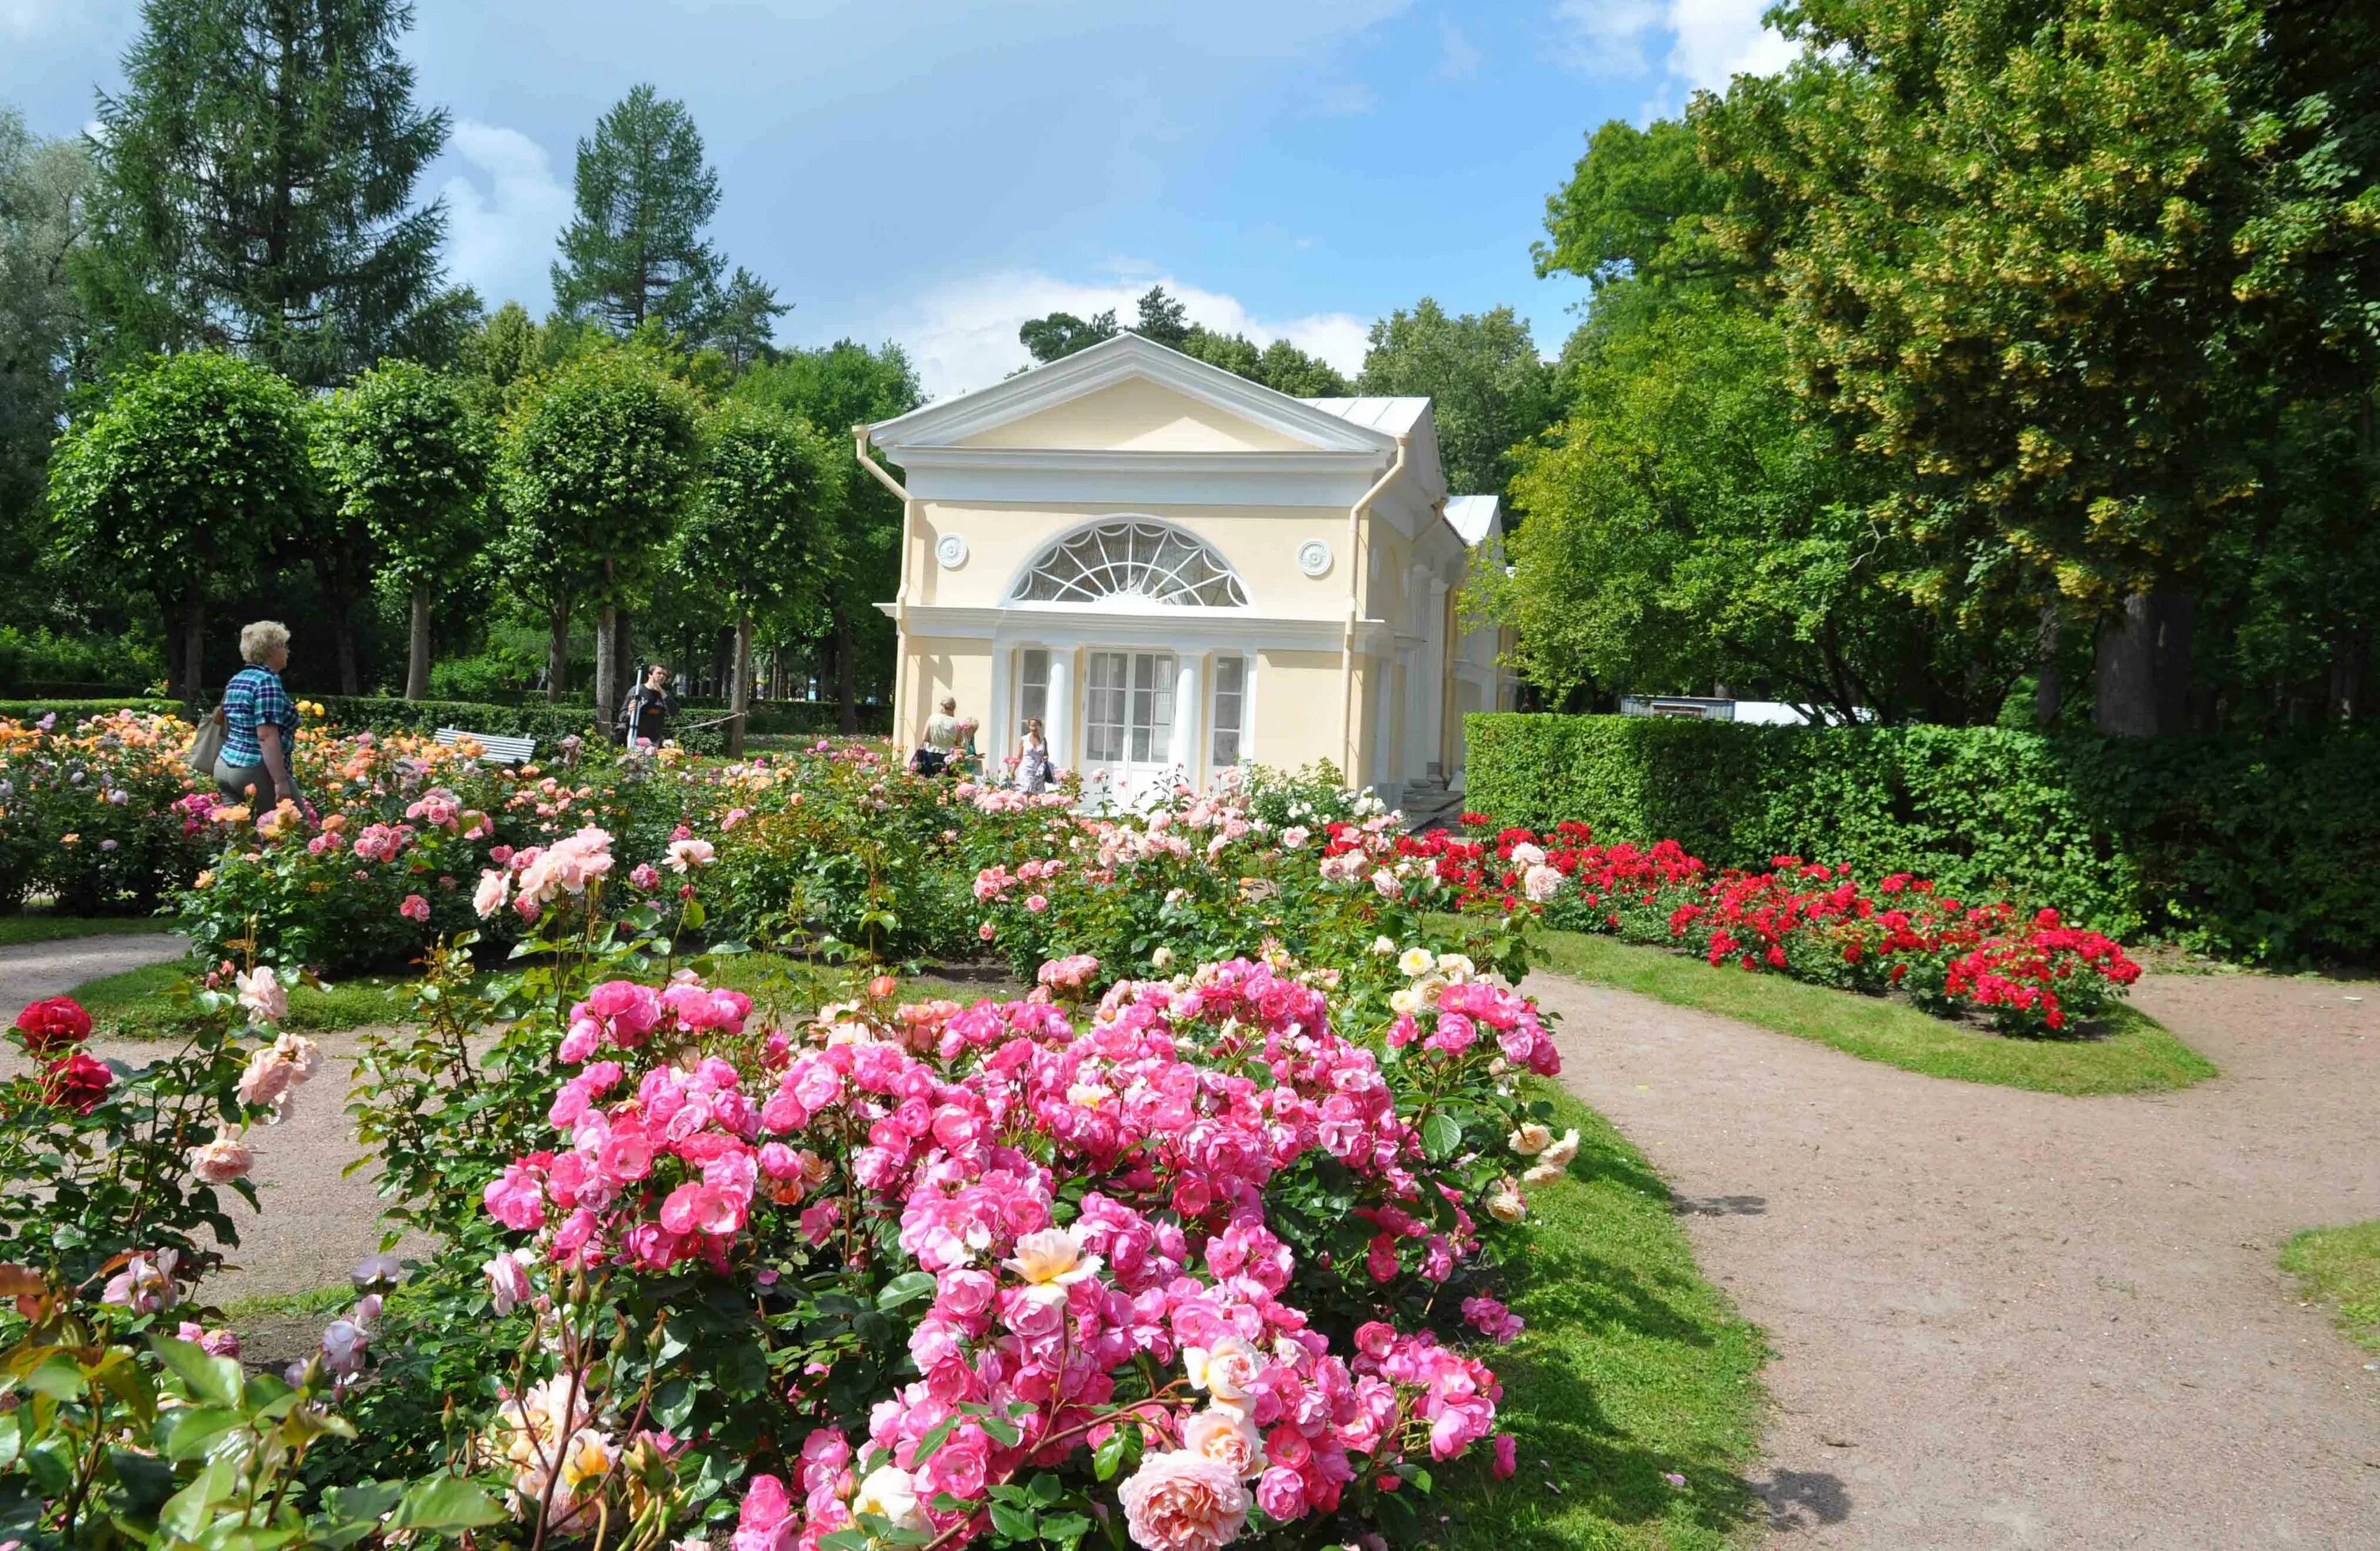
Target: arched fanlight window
<point>1135,560</point>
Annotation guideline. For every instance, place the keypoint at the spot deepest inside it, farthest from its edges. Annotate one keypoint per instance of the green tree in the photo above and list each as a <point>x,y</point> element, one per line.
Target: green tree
<point>41,332</point>
<point>407,459</point>
<point>192,469</point>
<point>1638,206</point>
<point>1163,317</point>
<point>760,526</point>
<point>2005,243</point>
<point>745,327</point>
<point>1687,528</point>
<point>1061,333</point>
<point>254,191</point>
<point>593,466</point>
<point>636,251</point>
<point>836,388</point>
<point>1280,366</point>
<point>1489,391</point>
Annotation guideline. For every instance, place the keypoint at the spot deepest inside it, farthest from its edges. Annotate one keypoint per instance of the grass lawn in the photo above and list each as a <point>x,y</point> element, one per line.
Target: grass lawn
<point>2132,1053</point>
<point>135,1004</point>
<point>1634,1369</point>
<point>39,927</point>
<point>2340,1266</point>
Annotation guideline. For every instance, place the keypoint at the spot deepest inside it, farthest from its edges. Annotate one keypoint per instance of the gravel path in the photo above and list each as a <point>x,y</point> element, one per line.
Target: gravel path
<point>30,971</point>
<point>2009,1319</point>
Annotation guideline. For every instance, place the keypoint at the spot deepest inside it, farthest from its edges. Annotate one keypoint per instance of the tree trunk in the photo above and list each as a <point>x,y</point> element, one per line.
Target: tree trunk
<point>741,702</point>
<point>417,652</point>
<point>557,651</point>
<point>2144,664</point>
<point>846,676</point>
<point>2048,689</point>
<point>173,674</point>
<point>194,648</point>
<point>343,638</point>
<point>608,693</point>
<point>2351,658</point>
<point>624,644</point>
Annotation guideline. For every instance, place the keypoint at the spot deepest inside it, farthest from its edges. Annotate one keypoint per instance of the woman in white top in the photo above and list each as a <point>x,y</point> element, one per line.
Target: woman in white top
<point>1033,758</point>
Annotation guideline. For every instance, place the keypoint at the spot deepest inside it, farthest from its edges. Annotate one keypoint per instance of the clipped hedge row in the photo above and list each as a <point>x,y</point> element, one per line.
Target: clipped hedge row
<point>72,711</point>
<point>2263,849</point>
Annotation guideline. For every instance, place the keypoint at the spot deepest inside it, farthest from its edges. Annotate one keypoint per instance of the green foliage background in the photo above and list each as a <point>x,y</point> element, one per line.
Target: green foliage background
<point>2259,848</point>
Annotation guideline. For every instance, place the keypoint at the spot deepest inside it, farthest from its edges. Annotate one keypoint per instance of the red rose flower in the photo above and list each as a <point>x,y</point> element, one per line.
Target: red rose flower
<point>47,1025</point>
<point>76,1083</point>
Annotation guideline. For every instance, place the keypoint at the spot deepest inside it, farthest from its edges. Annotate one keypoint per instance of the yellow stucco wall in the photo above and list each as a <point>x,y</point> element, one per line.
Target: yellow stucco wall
<point>1259,542</point>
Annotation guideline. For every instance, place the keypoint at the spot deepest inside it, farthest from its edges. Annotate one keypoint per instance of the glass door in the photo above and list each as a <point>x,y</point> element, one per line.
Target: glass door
<point>1128,721</point>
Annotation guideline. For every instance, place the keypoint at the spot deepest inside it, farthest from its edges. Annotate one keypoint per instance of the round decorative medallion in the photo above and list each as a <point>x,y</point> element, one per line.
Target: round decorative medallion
<point>1314,557</point>
<point>951,550</point>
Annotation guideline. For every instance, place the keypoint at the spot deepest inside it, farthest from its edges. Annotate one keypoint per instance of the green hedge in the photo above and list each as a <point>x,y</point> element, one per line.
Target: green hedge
<point>69,710</point>
<point>2258,849</point>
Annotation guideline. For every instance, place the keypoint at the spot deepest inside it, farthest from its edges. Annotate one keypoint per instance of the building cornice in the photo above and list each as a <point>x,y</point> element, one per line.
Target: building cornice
<point>1173,628</point>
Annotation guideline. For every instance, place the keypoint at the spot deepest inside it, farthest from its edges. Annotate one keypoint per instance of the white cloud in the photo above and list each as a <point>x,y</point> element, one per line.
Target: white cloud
<point>1692,44</point>
<point>961,334</point>
<point>1718,40</point>
<point>504,211</point>
<point>1606,37</point>
<point>1457,57</point>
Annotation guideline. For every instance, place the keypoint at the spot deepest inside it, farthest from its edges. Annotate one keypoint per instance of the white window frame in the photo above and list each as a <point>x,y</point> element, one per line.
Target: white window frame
<point>1235,726</point>
<point>1129,560</point>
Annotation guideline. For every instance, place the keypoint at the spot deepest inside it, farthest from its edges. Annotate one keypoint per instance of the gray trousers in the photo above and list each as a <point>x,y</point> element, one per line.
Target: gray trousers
<point>233,781</point>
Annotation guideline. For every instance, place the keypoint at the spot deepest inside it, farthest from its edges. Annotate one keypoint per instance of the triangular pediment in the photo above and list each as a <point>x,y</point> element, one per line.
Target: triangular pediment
<point>1127,394</point>
<point>1137,413</point>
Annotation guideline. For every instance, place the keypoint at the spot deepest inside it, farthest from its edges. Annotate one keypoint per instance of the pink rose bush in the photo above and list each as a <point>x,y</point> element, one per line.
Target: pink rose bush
<point>1109,1241</point>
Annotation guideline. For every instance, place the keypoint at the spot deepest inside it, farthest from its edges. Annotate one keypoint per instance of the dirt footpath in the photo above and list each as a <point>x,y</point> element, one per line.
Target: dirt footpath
<point>2009,1319</point>
<point>30,971</point>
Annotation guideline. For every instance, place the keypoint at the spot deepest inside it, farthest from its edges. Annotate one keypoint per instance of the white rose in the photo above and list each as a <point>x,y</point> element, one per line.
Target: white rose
<point>889,1493</point>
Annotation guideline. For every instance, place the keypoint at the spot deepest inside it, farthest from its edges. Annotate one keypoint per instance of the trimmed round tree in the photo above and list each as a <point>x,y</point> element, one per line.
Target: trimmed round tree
<point>593,466</point>
<point>405,455</point>
<point>179,483</point>
<point>758,526</point>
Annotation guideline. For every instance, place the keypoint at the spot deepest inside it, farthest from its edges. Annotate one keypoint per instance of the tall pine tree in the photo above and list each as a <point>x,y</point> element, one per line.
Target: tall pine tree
<point>636,252</point>
<point>254,191</point>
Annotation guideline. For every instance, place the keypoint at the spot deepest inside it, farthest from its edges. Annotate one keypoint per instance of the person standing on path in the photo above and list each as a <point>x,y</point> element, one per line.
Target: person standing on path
<point>1033,759</point>
<point>259,724</point>
<point>644,720</point>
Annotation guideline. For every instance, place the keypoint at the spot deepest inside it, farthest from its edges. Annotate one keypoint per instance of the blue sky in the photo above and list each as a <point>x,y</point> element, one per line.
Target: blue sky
<point>936,172</point>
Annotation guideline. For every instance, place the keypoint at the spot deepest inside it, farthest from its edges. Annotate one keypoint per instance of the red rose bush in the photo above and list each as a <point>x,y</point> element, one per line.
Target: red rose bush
<point>2028,973</point>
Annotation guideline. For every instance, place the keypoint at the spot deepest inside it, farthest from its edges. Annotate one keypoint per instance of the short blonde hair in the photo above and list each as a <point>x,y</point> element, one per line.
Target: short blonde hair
<point>950,703</point>
<point>257,641</point>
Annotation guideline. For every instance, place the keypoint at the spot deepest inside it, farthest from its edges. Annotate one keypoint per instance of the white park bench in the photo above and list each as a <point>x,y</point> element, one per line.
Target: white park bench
<point>495,748</point>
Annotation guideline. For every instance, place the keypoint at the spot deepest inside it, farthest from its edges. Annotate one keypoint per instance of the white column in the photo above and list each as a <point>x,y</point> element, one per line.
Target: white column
<point>999,735</point>
<point>1062,707</point>
<point>1440,670</point>
<point>1186,717</point>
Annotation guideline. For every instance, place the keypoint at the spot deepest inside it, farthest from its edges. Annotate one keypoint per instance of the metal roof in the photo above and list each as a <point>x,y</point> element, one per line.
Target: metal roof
<point>1394,415</point>
<point>1470,516</point>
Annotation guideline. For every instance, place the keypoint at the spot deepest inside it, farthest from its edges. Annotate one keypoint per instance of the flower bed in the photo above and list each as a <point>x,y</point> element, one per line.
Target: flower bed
<point>1207,1250</point>
<point>2027,973</point>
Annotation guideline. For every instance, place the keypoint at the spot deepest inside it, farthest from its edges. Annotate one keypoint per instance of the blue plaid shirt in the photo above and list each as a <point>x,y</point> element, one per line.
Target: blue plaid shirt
<point>254,698</point>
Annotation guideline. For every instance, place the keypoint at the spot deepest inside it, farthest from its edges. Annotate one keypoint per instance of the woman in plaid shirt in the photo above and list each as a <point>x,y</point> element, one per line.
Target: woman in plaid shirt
<point>260,723</point>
